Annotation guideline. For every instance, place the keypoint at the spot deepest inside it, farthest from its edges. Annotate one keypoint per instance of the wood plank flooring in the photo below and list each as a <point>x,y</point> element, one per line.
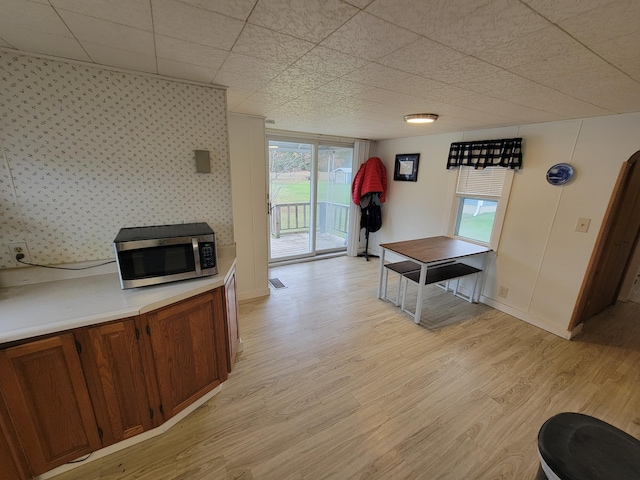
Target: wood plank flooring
<point>334,383</point>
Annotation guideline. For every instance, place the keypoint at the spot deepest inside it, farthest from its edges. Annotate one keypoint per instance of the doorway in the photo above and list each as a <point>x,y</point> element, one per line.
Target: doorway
<point>309,194</point>
<point>616,242</point>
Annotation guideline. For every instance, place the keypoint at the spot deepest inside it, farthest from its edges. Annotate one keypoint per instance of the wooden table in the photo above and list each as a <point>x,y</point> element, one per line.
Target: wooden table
<point>429,253</point>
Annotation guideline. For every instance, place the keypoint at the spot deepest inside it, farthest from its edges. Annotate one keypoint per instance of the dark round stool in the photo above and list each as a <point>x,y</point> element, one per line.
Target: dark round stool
<point>573,446</point>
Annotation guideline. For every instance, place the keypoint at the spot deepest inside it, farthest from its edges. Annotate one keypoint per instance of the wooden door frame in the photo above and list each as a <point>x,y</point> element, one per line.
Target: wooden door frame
<point>615,201</point>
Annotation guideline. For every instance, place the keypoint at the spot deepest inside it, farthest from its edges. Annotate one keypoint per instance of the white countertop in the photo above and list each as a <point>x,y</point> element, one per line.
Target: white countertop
<point>37,309</point>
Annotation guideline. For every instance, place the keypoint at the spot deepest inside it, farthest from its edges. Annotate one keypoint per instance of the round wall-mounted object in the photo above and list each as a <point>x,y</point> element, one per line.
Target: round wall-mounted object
<point>559,174</point>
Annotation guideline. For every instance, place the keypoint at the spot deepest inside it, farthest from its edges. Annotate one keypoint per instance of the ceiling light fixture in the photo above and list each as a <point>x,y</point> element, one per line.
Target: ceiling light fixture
<point>421,118</point>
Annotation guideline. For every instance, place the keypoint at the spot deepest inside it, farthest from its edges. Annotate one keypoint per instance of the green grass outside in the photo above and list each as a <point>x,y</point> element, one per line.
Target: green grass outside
<point>299,191</point>
<point>478,227</point>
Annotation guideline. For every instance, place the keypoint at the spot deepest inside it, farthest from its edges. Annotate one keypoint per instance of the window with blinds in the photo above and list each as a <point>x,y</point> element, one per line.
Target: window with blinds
<point>486,182</point>
<point>478,194</point>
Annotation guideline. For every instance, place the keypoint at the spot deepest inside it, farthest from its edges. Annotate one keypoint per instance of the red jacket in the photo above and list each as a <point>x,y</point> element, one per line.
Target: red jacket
<point>372,177</point>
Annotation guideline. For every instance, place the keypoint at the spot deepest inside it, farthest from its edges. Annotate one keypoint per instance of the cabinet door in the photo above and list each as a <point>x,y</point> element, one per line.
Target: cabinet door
<point>113,368</point>
<point>233,334</point>
<point>189,349</point>
<point>13,465</point>
<point>48,401</point>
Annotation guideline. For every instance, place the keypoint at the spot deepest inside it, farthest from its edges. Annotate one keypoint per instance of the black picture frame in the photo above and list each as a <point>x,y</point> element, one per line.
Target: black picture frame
<point>406,167</point>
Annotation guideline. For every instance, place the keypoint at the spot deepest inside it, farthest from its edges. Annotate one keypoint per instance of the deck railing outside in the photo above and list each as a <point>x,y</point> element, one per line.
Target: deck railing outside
<point>296,217</point>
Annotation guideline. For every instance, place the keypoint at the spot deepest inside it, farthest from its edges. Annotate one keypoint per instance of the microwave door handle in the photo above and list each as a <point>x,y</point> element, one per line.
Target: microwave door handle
<point>196,256</point>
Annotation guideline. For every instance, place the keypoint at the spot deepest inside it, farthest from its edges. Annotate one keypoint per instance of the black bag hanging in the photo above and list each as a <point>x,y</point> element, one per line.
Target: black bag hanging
<point>370,217</point>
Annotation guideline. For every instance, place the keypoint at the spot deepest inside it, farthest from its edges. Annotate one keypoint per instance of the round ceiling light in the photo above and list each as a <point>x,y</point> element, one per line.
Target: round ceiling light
<point>421,118</point>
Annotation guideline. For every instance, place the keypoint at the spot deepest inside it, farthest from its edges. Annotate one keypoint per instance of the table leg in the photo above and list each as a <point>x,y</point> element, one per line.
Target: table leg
<point>485,267</point>
<point>380,279</point>
<point>423,279</point>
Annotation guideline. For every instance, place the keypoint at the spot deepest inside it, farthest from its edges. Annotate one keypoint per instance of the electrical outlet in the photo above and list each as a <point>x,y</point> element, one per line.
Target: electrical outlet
<point>503,291</point>
<point>19,248</point>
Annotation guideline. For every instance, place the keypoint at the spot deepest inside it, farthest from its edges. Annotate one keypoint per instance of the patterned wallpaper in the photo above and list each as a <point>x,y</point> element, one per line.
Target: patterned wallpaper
<point>87,151</point>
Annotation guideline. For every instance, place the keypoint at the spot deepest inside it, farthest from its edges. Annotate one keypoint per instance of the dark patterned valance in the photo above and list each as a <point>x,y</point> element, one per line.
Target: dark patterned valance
<point>486,153</point>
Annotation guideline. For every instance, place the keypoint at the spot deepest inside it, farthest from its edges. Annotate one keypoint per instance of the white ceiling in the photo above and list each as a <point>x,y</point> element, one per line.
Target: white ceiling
<point>355,67</point>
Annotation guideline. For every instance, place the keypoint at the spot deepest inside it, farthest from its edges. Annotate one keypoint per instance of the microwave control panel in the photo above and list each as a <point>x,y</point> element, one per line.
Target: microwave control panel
<point>207,255</point>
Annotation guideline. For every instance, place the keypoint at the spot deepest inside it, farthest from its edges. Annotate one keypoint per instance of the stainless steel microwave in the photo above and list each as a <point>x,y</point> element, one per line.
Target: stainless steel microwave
<point>165,253</point>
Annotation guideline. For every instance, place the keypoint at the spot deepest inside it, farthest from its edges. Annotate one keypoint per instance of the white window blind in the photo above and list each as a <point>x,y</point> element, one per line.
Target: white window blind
<point>486,181</point>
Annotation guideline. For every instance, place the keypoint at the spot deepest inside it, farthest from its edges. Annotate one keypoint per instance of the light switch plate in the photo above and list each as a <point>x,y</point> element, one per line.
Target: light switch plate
<point>583,225</point>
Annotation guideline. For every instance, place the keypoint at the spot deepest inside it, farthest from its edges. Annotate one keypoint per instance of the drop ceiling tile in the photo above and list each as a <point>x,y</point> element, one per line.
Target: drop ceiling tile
<point>252,66</point>
<point>260,103</point>
<point>324,61</point>
<point>188,71</point>
<point>605,23</point>
<point>553,70</point>
<point>408,103</point>
<point>342,87</point>
<point>421,87</point>
<point>534,47</point>
<point>238,93</point>
<point>239,81</point>
<point>121,58</point>
<point>368,37</point>
<point>239,9</point>
<point>295,78</point>
<point>294,85</point>
<point>32,16</point>
<point>475,102</point>
<point>557,11</point>
<point>606,87</point>
<point>378,76</point>
<point>236,96</point>
<point>423,17</point>
<point>421,57</point>
<point>115,36</point>
<point>320,97</point>
<point>134,13</point>
<point>296,107</point>
<point>311,20</point>
<point>491,25</point>
<point>358,3</point>
<point>562,104</point>
<point>512,114</point>
<point>35,41</point>
<point>466,69</point>
<point>191,53</point>
<point>270,46</point>
<point>618,53</point>
<point>175,19</point>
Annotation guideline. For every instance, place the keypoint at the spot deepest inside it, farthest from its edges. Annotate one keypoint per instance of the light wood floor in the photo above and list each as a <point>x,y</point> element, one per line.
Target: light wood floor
<point>334,383</point>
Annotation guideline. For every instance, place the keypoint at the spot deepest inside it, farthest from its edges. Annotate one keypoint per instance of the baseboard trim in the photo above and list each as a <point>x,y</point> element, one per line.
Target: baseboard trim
<point>536,322</point>
<point>265,292</point>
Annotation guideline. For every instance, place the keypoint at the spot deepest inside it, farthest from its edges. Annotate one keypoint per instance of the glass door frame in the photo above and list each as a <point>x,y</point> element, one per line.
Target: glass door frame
<point>315,144</point>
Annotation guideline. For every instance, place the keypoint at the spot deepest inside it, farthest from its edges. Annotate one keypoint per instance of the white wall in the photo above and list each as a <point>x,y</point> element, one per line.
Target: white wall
<point>540,258</point>
<point>249,193</point>
<point>85,151</point>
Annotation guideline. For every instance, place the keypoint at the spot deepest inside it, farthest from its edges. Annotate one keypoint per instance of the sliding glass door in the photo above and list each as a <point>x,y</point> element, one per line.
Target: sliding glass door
<point>309,192</point>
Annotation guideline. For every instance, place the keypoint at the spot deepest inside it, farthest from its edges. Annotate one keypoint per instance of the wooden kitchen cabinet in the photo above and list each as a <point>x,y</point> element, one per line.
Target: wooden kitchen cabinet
<point>67,394</point>
<point>113,368</point>
<point>233,333</point>
<point>188,349</point>
<point>13,465</point>
<point>48,402</point>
